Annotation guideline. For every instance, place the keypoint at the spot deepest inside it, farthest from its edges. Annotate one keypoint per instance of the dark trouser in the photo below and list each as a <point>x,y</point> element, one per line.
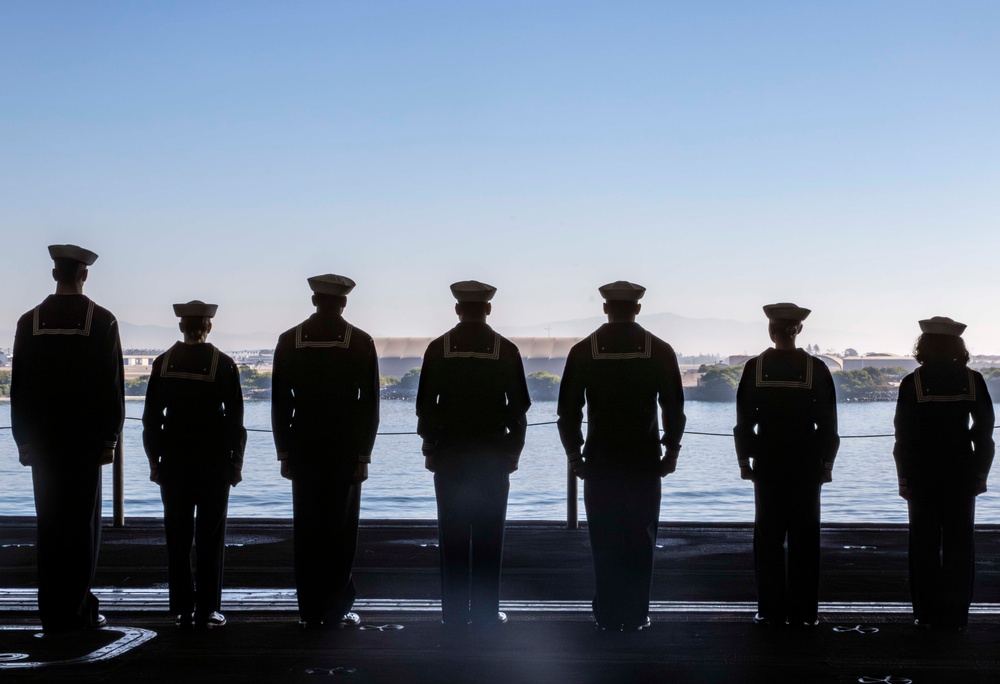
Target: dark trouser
<point>622,515</point>
<point>68,510</point>
<point>942,556</point>
<point>325,514</point>
<point>472,509</point>
<point>787,508</point>
<point>185,488</point>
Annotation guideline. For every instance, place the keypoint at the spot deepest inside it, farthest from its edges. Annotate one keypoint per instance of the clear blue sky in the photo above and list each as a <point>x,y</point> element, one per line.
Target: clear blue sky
<point>724,154</point>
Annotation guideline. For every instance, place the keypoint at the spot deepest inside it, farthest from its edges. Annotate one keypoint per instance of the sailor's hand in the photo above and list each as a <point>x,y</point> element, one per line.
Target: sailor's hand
<point>237,476</point>
<point>980,487</point>
<point>25,455</point>
<point>904,491</point>
<point>668,463</point>
<point>827,476</point>
<point>578,467</point>
<point>360,473</point>
<point>747,473</point>
<point>286,469</point>
<point>154,474</point>
<point>107,456</point>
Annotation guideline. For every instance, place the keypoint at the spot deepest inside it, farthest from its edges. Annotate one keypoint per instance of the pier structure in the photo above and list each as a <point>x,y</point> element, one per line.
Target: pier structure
<point>703,599</point>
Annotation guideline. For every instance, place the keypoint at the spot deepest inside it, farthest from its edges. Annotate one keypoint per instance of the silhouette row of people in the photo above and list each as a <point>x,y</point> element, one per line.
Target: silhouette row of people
<point>67,412</point>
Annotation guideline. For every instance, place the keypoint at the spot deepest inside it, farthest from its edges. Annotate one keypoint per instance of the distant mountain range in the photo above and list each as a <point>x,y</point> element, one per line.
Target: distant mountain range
<point>692,336</point>
<point>162,337</point>
<point>688,336</point>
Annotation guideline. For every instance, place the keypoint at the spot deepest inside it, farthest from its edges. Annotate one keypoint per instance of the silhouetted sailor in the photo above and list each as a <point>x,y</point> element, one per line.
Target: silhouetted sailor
<point>786,424</point>
<point>944,450</point>
<point>621,372</point>
<point>192,431</point>
<point>67,410</point>
<point>471,406</point>
<point>324,412</point>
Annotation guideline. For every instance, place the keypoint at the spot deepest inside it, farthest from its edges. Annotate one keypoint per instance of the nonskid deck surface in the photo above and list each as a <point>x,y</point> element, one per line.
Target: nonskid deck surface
<point>703,597</point>
<point>532,647</point>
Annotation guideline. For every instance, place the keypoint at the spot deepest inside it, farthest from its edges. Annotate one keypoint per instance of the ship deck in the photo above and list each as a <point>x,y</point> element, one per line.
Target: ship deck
<point>703,599</point>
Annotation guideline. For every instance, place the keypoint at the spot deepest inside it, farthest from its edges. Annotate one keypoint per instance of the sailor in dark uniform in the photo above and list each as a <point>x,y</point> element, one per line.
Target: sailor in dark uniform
<point>324,413</point>
<point>192,430</point>
<point>786,424</point>
<point>944,450</point>
<point>622,373</point>
<point>471,406</point>
<point>67,410</point>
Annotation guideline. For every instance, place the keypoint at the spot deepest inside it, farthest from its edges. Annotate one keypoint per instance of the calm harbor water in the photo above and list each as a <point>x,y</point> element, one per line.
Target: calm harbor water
<point>706,486</point>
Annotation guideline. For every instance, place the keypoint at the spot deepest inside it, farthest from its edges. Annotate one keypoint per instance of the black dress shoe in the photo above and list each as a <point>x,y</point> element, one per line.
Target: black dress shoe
<point>213,620</point>
<point>803,624</point>
<point>347,620</point>
<point>184,620</point>
<point>312,625</point>
<point>98,622</point>
<point>759,619</point>
<point>636,627</point>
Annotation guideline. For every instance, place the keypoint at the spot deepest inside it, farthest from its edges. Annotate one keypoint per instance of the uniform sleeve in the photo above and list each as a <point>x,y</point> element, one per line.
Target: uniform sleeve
<point>153,415</point>
<point>905,427</point>
<point>744,434</point>
<point>23,394</point>
<point>428,388</point>
<point>572,398</point>
<point>282,399</point>
<point>113,393</point>
<point>235,431</point>
<point>827,431</point>
<point>983,420</point>
<point>369,403</point>
<point>671,398</point>
<point>518,403</point>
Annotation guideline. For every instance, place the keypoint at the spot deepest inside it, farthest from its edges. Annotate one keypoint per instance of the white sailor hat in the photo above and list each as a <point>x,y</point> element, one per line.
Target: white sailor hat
<point>622,291</point>
<point>786,311</point>
<point>195,307</point>
<point>84,256</point>
<point>331,284</point>
<point>942,325</point>
<point>472,291</point>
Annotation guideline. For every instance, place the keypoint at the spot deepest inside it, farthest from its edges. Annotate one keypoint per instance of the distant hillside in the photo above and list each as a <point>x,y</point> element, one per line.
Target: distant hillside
<point>161,337</point>
<point>687,335</point>
<point>699,335</point>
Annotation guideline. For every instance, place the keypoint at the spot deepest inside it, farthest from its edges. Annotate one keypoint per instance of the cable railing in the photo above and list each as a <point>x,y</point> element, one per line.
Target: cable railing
<point>572,483</point>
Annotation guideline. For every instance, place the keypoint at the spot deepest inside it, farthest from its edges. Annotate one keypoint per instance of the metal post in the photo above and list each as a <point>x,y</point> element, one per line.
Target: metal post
<point>572,499</point>
<point>119,484</point>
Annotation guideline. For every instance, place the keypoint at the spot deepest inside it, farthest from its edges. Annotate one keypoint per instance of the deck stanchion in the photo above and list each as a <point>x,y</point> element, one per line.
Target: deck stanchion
<point>572,499</point>
<point>119,484</point>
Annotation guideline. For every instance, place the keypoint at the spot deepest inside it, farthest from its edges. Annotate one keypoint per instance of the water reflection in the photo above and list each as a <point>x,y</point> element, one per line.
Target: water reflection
<point>706,486</point>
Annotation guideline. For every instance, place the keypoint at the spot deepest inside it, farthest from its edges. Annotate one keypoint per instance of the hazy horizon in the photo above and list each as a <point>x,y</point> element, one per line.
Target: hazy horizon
<point>689,337</point>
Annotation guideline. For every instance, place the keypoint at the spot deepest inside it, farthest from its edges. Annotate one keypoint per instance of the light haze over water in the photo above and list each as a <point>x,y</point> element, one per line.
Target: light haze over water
<point>705,488</point>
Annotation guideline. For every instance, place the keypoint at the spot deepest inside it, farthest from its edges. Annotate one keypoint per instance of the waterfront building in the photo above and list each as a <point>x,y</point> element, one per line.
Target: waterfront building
<point>852,363</point>
<point>139,359</point>
<point>397,355</point>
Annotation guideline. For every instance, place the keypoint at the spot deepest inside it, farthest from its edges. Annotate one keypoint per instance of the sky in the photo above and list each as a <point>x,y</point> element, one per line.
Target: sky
<point>725,155</point>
